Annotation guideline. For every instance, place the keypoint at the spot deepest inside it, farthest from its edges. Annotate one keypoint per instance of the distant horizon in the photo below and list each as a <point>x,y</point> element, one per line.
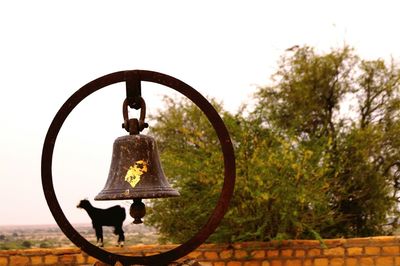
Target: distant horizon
<point>55,224</point>
<point>41,225</point>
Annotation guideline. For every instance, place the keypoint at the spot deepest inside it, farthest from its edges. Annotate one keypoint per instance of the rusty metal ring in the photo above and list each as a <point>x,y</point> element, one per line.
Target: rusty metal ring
<point>226,148</point>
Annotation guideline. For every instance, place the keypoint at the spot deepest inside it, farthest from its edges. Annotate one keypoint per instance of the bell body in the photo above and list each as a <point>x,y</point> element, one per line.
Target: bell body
<point>135,171</point>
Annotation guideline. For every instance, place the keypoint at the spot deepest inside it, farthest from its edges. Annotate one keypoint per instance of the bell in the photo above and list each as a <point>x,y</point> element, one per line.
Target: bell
<point>136,173</point>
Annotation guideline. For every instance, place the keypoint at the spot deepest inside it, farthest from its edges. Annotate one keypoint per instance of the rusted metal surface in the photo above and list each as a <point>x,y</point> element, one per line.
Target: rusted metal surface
<point>226,148</point>
<point>135,171</point>
<point>137,211</point>
<point>133,89</point>
<point>134,126</point>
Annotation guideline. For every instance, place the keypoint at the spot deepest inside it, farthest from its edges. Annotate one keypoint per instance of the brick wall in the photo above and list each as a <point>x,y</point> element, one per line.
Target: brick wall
<point>381,251</point>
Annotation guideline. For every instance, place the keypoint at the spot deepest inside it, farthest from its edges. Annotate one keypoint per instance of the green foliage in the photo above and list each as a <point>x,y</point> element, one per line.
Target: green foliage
<point>15,244</point>
<point>192,162</point>
<point>307,90</point>
<point>26,244</point>
<point>305,167</point>
<point>360,150</point>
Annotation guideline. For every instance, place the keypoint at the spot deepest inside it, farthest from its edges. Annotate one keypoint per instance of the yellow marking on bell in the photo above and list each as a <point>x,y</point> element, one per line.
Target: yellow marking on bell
<point>135,172</point>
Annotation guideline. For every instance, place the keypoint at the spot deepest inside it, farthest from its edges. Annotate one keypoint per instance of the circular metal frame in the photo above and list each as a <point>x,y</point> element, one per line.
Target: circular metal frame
<point>226,148</point>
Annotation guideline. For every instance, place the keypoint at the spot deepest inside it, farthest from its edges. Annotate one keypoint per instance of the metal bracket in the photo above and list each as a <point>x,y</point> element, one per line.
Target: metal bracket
<point>133,89</point>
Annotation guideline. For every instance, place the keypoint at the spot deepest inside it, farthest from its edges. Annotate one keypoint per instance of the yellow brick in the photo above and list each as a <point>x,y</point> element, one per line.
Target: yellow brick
<point>387,261</point>
<point>337,262</point>
<point>369,261</point>
<point>314,252</point>
<point>372,250</point>
<point>194,254</point>
<point>258,254</point>
<point>211,255</point>
<point>336,242</point>
<point>300,253</point>
<point>276,263</point>
<point>307,243</point>
<point>61,251</point>
<point>321,262</point>
<point>237,245</point>
<point>80,259</point>
<point>351,262</point>
<point>226,254</point>
<point>67,259</point>
<point>287,252</point>
<point>3,261</point>
<point>397,261</point>
<point>240,254</point>
<point>234,263</point>
<point>358,241</point>
<point>36,260</point>
<point>272,253</point>
<point>383,239</point>
<point>265,263</point>
<point>339,251</point>
<point>19,260</point>
<point>308,262</point>
<point>293,262</point>
<point>354,251</point>
<point>252,263</point>
<point>390,250</point>
<point>91,260</point>
<point>50,259</point>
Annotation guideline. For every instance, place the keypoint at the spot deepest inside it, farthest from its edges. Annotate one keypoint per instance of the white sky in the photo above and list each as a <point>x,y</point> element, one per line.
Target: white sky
<point>224,49</point>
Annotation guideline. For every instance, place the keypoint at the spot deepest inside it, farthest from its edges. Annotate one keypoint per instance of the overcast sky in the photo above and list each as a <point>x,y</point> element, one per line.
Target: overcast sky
<point>224,49</point>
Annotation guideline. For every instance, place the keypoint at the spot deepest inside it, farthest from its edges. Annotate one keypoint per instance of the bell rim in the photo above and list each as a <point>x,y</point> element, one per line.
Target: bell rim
<point>118,194</point>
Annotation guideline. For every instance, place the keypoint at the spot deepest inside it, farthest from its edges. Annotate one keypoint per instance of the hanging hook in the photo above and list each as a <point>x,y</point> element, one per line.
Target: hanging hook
<point>134,126</point>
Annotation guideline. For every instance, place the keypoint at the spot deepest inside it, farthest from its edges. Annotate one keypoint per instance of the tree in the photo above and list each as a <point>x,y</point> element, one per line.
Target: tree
<point>192,162</point>
<point>305,168</point>
<point>26,244</point>
<point>368,153</point>
<point>305,101</point>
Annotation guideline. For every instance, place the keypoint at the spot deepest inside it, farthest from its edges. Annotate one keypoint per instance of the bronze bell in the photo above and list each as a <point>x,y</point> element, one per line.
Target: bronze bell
<point>136,172</point>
